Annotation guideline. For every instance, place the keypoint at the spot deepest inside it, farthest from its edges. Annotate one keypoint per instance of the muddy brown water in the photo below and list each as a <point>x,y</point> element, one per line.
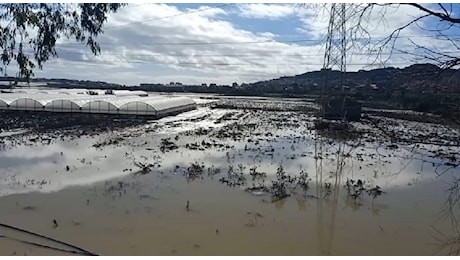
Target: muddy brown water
<point>161,225</point>
<point>100,205</point>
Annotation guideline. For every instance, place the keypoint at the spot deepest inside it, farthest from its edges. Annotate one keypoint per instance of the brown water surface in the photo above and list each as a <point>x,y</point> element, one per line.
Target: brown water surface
<point>100,205</point>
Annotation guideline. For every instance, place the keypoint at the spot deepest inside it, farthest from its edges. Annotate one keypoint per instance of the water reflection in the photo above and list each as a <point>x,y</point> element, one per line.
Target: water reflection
<point>56,166</point>
<point>11,162</point>
<point>409,178</point>
<point>327,192</point>
<point>448,240</point>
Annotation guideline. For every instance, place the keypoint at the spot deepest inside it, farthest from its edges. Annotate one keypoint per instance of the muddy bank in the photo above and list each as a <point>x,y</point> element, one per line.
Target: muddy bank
<point>414,116</point>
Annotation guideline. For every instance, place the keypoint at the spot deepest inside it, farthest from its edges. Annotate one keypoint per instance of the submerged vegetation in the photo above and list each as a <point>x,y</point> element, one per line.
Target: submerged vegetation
<point>277,159</point>
<point>355,189</point>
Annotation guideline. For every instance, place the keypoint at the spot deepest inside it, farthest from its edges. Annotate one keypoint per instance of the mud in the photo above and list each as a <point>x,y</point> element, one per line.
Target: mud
<point>232,182</point>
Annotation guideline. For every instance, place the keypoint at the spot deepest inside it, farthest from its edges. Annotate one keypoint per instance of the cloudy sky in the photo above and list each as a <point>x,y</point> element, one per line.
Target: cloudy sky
<point>225,43</point>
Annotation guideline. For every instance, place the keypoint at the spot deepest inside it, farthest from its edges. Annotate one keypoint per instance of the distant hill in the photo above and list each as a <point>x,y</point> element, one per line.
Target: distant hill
<point>60,83</point>
<point>414,78</point>
<point>417,77</point>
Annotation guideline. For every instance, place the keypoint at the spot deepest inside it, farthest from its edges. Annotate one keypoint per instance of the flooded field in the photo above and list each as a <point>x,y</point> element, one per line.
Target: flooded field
<point>248,177</point>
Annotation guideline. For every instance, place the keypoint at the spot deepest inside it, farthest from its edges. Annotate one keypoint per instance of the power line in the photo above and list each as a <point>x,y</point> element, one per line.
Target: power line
<point>318,41</point>
<point>134,55</point>
<point>95,62</point>
<point>205,43</point>
<point>169,16</point>
<point>224,5</point>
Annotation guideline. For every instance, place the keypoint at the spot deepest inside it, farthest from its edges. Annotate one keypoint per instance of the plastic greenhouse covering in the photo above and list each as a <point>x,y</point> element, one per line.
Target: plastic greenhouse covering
<point>75,101</point>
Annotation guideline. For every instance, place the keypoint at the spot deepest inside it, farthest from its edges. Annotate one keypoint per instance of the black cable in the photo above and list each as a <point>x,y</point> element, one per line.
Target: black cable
<point>44,246</point>
<point>48,238</point>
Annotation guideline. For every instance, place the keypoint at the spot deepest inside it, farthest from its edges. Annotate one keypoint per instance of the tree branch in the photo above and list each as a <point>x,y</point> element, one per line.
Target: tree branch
<point>442,16</point>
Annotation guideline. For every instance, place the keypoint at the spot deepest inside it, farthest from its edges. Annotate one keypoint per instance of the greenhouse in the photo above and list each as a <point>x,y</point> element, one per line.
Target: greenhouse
<point>155,106</point>
<point>130,93</point>
<point>159,106</point>
<point>27,103</point>
<point>72,91</point>
<point>66,104</point>
<point>107,104</point>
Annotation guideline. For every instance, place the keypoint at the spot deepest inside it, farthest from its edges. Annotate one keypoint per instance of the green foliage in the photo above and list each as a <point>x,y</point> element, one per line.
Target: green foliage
<point>35,28</point>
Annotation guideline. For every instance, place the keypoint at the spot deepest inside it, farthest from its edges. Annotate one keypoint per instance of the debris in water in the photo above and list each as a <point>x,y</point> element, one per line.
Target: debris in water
<point>145,168</point>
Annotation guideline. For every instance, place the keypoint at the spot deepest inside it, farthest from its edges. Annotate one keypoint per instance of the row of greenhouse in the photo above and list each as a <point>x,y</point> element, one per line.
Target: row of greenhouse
<point>157,106</point>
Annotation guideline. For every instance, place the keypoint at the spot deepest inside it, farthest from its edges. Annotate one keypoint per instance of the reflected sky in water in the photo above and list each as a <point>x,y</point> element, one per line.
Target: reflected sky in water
<point>149,210</point>
<point>23,166</point>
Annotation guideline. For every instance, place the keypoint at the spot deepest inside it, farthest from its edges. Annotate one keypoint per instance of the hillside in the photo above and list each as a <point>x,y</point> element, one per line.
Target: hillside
<point>417,77</point>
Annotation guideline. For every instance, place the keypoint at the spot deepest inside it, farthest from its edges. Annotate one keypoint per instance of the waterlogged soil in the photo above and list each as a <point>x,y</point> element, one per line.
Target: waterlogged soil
<point>208,182</point>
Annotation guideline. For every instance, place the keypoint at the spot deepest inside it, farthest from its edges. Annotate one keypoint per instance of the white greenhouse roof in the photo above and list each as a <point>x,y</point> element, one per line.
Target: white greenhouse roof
<point>130,93</point>
<point>124,104</point>
<point>79,100</point>
<point>119,101</point>
<point>164,103</point>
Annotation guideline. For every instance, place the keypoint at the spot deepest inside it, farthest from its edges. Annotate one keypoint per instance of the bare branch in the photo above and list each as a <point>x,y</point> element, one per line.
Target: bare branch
<point>444,9</point>
<point>444,17</point>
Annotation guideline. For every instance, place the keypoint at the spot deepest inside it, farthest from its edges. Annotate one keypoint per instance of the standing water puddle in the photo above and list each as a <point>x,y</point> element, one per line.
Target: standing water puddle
<point>191,198</point>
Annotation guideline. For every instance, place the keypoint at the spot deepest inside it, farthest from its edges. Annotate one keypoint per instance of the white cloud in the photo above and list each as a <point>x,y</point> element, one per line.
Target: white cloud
<point>267,35</point>
<point>266,11</point>
<point>159,43</point>
<point>381,22</point>
<point>184,47</point>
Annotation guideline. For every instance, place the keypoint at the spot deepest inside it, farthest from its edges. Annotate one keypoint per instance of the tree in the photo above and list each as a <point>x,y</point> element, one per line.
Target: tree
<point>442,22</point>
<point>437,20</point>
<point>29,32</point>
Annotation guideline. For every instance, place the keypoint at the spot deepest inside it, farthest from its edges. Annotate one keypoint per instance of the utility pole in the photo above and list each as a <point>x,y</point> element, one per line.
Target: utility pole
<point>335,55</point>
<point>327,189</point>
